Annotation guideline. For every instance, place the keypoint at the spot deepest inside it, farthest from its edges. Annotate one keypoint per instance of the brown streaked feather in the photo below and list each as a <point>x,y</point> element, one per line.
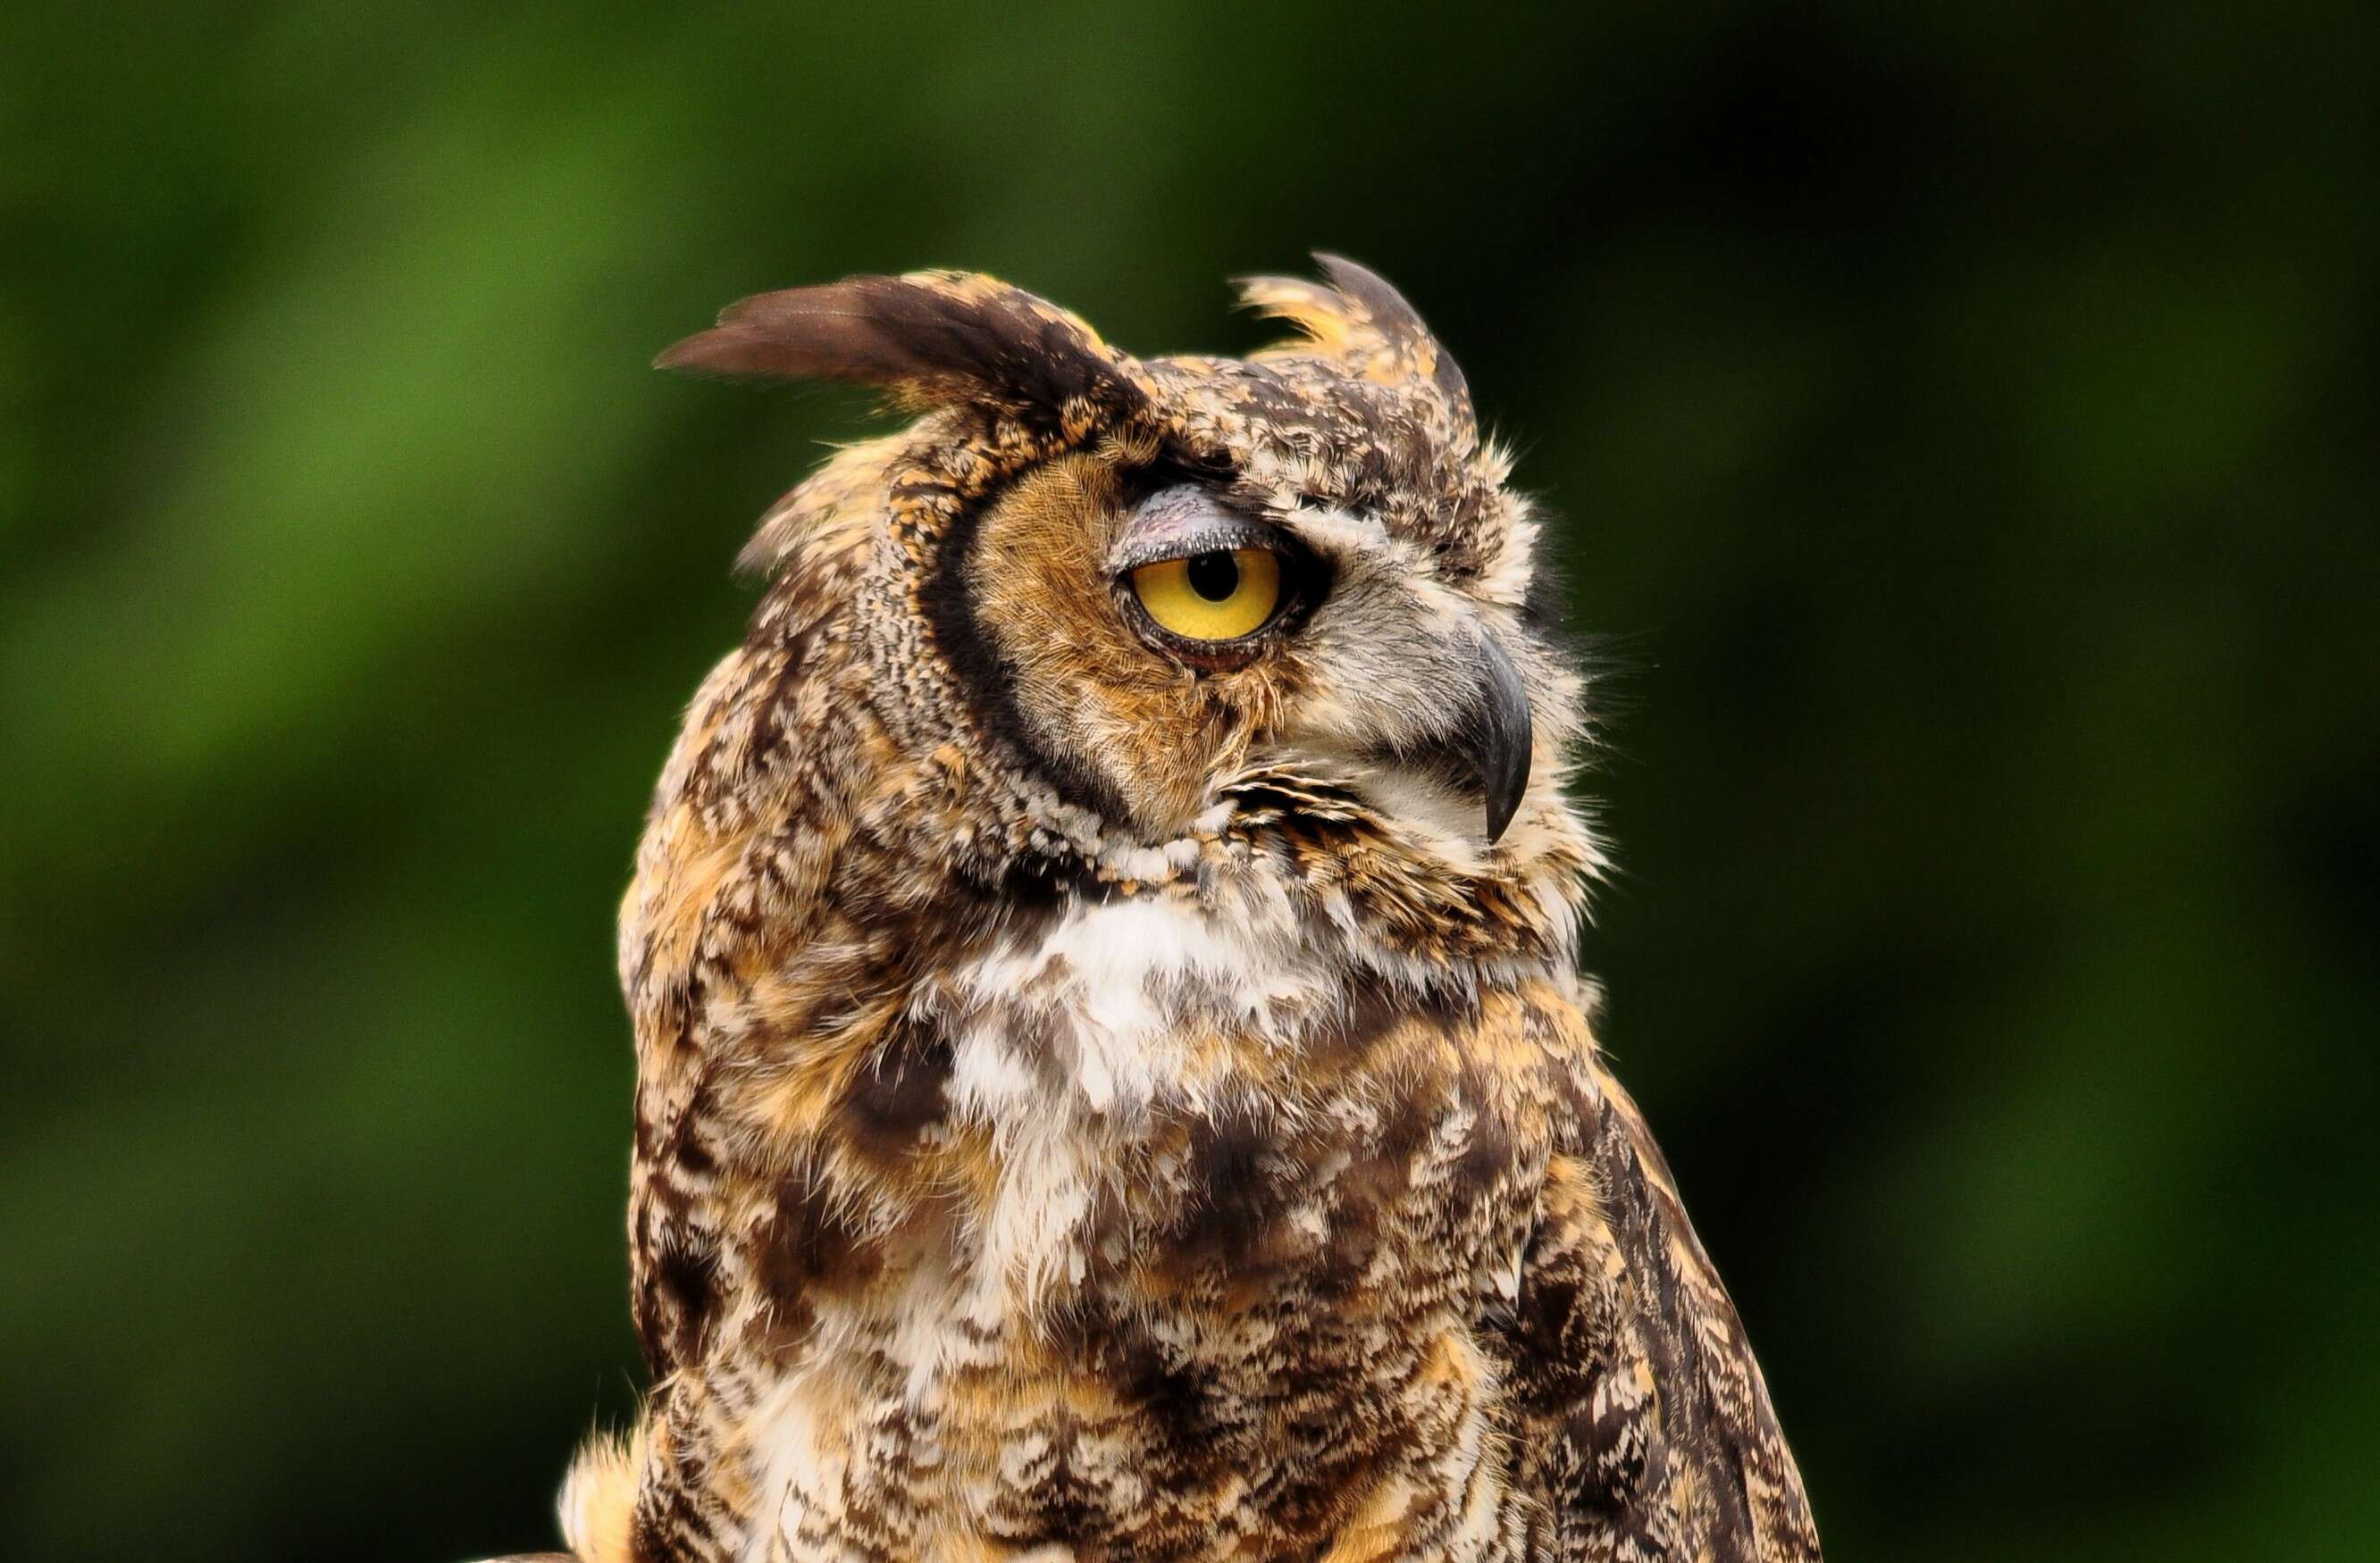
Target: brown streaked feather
<point>1648,1422</point>
<point>1743,1430</point>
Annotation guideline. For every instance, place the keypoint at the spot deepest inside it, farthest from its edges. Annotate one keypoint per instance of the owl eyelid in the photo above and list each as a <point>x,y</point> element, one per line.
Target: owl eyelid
<point>1221,534</point>
<point>1187,519</point>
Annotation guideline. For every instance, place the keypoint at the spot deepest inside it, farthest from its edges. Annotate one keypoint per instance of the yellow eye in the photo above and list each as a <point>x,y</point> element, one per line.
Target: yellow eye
<point>1220,595</point>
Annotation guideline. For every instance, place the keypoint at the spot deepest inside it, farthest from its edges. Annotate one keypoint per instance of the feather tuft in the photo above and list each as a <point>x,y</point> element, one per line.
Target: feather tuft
<point>932,337</point>
<point>599,1497</point>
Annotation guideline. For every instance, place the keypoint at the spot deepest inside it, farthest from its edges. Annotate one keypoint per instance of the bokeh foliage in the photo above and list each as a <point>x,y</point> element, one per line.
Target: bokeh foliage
<point>1964,413</point>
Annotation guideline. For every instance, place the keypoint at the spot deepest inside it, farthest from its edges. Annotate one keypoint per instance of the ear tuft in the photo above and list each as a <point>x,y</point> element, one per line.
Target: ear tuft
<point>932,338</point>
<point>1356,316</point>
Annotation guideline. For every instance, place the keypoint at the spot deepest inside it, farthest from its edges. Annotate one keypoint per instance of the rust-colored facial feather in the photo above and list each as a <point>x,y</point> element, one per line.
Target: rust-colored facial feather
<point>1108,1094</point>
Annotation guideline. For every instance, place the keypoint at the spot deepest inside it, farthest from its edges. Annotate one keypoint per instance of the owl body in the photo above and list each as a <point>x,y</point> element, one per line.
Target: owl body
<point>1113,1089</point>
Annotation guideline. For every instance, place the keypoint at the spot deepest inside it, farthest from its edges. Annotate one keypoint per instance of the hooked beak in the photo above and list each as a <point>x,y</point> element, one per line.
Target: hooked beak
<point>1497,738</point>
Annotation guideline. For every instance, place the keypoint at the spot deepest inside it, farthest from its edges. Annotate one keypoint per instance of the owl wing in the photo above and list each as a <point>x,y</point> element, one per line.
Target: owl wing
<point>1643,1419</point>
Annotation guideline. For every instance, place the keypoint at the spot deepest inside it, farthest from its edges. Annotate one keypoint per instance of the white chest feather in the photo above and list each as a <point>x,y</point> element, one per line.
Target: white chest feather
<point>1066,1049</point>
<point>1105,1002</point>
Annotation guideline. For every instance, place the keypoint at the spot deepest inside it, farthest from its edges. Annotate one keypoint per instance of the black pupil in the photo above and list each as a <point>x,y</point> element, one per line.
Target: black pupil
<point>1214,576</point>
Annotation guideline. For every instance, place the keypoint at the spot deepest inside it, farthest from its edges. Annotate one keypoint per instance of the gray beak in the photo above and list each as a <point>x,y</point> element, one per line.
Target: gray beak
<point>1496,738</point>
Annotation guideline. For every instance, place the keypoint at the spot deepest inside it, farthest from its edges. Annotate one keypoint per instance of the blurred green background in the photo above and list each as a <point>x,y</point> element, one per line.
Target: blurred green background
<point>1965,415</point>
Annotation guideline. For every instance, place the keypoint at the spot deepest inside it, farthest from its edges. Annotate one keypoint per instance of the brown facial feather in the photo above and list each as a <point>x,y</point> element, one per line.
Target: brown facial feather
<point>1081,1108</point>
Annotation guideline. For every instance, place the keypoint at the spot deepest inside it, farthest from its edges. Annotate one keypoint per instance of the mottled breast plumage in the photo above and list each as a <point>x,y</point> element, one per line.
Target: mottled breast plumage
<point>1113,1080</point>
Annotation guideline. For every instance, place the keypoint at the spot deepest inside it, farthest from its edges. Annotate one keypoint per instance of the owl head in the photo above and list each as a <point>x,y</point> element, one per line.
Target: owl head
<point>1127,606</point>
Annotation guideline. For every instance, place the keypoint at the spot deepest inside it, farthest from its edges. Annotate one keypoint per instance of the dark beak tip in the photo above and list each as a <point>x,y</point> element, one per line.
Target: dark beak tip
<point>1506,738</point>
<point>1502,804</point>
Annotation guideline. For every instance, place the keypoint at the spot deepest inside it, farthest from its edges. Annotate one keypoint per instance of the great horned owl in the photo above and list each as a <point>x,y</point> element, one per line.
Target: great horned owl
<point>1113,1081</point>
